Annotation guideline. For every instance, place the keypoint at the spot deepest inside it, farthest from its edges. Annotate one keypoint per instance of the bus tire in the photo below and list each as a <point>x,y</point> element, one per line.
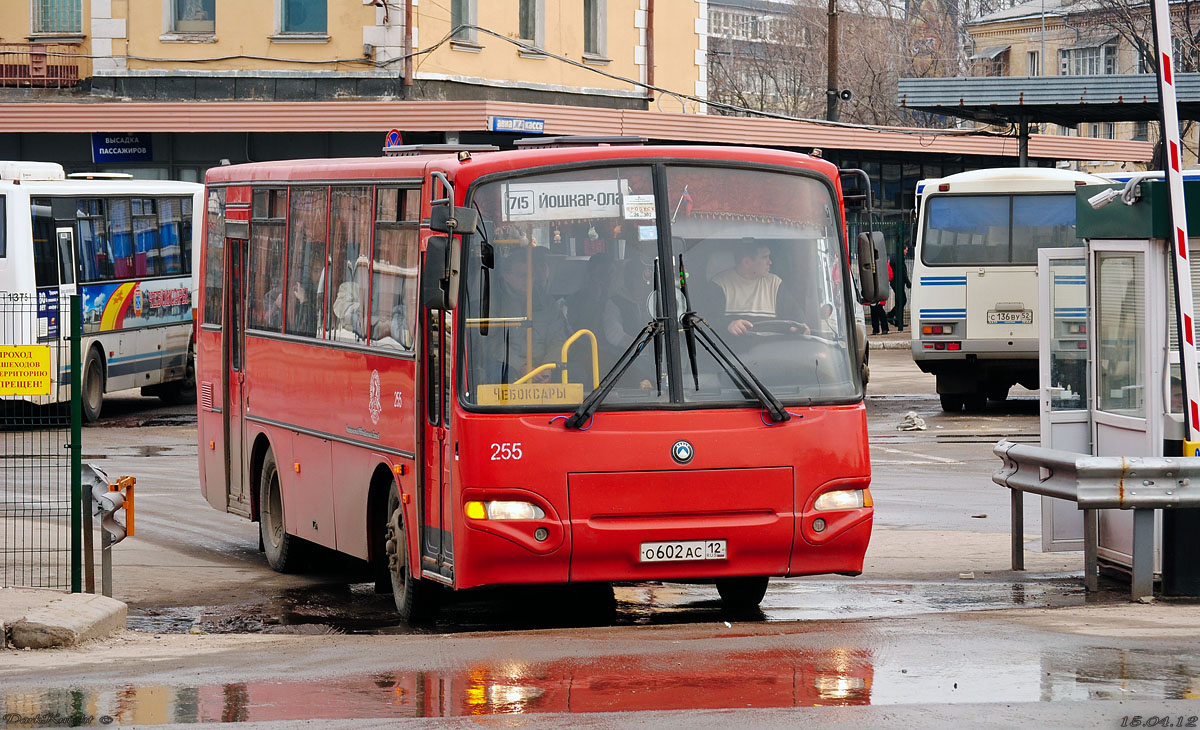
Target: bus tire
<point>975,402</point>
<point>92,393</point>
<point>416,599</point>
<point>951,402</point>
<point>280,548</point>
<point>742,594</point>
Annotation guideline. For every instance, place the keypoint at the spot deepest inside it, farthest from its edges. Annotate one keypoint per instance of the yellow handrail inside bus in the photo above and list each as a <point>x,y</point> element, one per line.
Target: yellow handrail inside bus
<point>527,377</point>
<point>595,356</point>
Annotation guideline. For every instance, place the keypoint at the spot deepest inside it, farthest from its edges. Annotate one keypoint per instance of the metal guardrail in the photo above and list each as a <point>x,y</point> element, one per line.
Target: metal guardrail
<point>1139,483</point>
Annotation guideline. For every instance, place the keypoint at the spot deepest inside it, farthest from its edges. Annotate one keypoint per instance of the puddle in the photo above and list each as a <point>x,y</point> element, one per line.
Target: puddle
<point>357,609</point>
<point>794,676</point>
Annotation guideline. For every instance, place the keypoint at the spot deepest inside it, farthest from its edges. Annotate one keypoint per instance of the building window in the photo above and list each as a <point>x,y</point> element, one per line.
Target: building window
<point>1033,63</point>
<point>193,16</point>
<point>462,12</point>
<point>1141,131</point>
<point>57,16</point>
<point>594,27</point>
<point>304,16</point>
<point>1088,61</point>
<point>531,21</point>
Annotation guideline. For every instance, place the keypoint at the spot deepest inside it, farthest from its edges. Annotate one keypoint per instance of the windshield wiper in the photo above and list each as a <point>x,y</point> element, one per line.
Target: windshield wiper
<point>652,331</point>
<point>695,326</point>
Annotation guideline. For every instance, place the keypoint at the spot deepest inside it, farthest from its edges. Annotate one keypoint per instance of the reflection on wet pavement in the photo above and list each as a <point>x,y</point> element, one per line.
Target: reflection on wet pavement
<point>793,677</point>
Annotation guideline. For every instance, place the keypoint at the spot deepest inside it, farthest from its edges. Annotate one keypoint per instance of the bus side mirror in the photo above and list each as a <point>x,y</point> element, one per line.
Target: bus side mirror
<point>453,219</point>
<point>439,273</point>
<point>873,267</point>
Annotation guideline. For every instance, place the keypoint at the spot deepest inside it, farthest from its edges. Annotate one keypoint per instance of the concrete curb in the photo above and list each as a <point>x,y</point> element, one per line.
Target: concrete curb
<point>66,620</point>
<point>889,344</point>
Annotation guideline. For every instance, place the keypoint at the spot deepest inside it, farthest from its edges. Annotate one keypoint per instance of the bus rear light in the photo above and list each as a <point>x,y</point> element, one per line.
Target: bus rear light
<point>1077,329</point>
<point>944,187</point>
<point>953,345</point>
<point>939,345</point>
<point>504,510</point>
<point>935,329</point>
<point>1082,345</point>
<point>841,499</point>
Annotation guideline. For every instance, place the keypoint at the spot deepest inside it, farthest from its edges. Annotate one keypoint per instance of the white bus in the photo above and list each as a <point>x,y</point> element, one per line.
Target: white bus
<point>974,278</point>
<point>125,246</point>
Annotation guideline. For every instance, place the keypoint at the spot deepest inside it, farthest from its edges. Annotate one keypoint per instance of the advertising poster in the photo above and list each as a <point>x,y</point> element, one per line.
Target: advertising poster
<point>130,304</point>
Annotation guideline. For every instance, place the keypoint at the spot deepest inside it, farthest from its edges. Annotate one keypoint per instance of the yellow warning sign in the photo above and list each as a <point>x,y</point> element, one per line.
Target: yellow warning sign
<point>24,370</point>
<point>530,394</point>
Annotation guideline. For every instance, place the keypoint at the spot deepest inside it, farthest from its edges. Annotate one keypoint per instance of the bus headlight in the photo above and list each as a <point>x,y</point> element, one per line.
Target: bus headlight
<point>843,499</point>
<point>504,510</point>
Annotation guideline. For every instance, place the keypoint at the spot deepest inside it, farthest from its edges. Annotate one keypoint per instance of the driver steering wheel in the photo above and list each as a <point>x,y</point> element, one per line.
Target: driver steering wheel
<point>777,326</point>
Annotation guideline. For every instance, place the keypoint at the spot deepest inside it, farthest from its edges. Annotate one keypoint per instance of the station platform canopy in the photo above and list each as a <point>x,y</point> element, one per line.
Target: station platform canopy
<point>1066,100</point>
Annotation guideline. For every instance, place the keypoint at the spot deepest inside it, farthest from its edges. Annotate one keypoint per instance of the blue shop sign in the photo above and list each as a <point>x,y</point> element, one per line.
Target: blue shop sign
<point>515,124</point>
<point>116,147</point>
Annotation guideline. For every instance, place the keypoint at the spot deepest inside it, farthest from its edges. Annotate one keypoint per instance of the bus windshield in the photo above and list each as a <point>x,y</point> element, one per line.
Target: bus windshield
<point>572,265</point>
<point>969,230</point>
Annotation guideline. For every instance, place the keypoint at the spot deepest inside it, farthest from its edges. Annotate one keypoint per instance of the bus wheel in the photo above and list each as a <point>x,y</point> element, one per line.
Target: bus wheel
<point>93,387</point>
<point>975,402</point>
<point>742,594</point>
<point>951,402</point>
<point>279,547</point>
<point>416,599</point>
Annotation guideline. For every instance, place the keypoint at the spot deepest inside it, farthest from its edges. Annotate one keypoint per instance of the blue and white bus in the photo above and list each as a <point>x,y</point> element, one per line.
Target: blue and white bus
<point>125,246</point>
<point>974,280</point>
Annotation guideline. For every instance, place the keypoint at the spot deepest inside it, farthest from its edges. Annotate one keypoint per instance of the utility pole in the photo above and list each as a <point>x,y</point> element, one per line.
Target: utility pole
<point>831,84</point>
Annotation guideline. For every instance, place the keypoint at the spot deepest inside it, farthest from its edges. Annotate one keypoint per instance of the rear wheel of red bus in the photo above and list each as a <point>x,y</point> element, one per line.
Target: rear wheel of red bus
<point>416,599</point>
<point>282,550</point>
<point>742,594</point>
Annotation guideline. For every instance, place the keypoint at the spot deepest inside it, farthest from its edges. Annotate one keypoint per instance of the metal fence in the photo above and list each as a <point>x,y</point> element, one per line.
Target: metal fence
<point>40,523</point>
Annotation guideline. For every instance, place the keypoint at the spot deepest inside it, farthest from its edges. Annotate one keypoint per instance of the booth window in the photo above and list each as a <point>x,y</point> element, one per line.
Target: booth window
<point>304,16</point>
<point>194,16</point>
<point>57,16</point>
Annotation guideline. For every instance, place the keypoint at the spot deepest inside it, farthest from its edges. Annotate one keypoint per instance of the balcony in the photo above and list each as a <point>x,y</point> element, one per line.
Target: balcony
<point>42,65</point>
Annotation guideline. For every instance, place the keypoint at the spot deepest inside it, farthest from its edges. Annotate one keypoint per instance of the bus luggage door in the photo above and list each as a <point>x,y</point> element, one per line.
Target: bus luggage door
<point>239,499</point>
<point>1065,395</point>
<point>1128,303</point>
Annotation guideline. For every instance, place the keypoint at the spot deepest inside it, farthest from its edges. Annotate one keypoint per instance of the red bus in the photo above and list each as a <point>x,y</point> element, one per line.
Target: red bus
<point>568,364</point>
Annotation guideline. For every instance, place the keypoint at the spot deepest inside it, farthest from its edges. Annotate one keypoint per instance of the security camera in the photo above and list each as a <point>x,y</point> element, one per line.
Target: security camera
<point>1103,198</point>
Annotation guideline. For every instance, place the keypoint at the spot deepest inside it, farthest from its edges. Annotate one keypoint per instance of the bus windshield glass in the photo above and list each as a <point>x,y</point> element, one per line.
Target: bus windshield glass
<point>970,230</point>
<point>573,268</point>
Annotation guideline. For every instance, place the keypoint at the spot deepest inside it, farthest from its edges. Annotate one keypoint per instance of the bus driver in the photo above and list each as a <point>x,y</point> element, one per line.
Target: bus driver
<point>752,292</point>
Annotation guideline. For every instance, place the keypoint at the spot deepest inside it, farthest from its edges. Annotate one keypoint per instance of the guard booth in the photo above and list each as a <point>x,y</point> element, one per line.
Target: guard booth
<point>1110,371</point>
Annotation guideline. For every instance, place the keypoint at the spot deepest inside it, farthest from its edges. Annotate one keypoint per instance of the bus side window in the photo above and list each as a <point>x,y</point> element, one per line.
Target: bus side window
<point>147,257</point>
<point>169,212</point>
<point>120,237</point>
<point>3,229</point>
<point>214,257</point>
<point>393,315</point>
<point>95,255</point>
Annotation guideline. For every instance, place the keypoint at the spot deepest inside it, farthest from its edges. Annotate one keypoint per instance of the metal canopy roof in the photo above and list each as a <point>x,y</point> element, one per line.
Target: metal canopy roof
<point>1067,100</point>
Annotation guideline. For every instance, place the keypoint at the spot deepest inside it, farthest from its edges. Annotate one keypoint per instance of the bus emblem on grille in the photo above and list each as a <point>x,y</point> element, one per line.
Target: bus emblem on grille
<point>681,452</point>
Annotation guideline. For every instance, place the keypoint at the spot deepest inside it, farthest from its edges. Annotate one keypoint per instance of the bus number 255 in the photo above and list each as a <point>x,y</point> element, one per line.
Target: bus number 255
<point>506,451</point>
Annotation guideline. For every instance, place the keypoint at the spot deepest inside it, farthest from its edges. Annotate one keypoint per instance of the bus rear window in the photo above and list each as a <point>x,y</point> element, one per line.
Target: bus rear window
<point>970,230</point>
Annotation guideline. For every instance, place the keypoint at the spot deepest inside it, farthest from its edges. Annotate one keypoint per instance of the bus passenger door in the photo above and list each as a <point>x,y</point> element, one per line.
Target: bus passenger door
<point>239,498</point>
<point>437,509</point>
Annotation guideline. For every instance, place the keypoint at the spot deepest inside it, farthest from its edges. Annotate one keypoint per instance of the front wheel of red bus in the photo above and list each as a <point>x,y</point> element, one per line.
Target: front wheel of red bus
<point>416,599</point>
<point>282,550</point>
<point>742,594</point>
